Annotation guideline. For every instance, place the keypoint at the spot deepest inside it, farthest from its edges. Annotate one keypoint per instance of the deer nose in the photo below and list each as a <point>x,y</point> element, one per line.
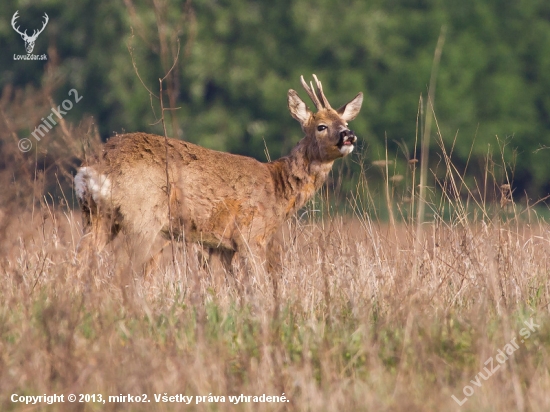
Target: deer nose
<point>347,135</point>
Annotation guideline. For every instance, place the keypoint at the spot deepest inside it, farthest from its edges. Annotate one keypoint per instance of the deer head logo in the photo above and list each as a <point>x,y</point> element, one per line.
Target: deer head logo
<point>29,40</point>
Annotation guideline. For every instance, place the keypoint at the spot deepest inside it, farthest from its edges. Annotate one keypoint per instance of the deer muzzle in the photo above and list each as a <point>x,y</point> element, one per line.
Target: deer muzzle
<point>347,137</point>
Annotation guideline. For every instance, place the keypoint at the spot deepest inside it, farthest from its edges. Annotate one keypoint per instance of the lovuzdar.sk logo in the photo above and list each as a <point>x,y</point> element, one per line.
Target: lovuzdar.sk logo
<point>29,40</point>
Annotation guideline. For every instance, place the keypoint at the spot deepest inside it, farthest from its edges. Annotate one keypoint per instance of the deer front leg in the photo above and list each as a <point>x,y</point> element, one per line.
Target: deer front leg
<point>252,256</point>
<point>221,259</point>
<point>220,263</point>
<point>274,257</point>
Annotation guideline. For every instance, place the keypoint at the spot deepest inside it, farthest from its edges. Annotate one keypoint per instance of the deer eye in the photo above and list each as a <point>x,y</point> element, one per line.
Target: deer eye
<point>321,127</point>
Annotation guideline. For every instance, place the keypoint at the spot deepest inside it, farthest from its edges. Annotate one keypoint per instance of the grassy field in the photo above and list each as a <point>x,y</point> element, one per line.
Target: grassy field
<point>361,316</point>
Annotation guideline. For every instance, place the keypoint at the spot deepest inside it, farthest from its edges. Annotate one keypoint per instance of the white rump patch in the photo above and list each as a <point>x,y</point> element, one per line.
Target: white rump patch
<point>88,182</point>
<point>346,149</point>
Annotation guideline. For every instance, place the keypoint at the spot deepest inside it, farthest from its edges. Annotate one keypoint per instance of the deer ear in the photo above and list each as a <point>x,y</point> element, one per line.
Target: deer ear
<point>350,110</point>
<point>298,108</point>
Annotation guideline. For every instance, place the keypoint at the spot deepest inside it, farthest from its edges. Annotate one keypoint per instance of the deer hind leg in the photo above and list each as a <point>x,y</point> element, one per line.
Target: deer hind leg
<point>156,256</point>
<point>100,223</point>
<point>99,230</point>
<point>139,240</point>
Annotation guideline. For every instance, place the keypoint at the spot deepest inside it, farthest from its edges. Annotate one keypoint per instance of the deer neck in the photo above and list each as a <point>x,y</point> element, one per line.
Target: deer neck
<point>297,177</point>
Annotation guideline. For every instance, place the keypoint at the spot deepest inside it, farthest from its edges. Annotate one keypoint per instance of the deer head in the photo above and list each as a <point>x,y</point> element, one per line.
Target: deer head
<point>326,130</point>
<point>29,40</point>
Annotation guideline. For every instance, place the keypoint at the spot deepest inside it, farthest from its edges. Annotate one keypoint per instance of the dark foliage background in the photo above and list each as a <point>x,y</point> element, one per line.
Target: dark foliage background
<point>238,58</point>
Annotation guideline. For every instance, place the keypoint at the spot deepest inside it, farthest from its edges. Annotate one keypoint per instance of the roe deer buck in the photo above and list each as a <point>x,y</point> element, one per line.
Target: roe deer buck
<point>225,202</point>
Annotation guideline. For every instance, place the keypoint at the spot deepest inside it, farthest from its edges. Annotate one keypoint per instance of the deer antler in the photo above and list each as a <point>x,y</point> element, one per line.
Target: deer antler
<point>35,33</point>
<point>13,19</point>
<point>321,94</point>
<point>311,93</point>
<point>318,97</point>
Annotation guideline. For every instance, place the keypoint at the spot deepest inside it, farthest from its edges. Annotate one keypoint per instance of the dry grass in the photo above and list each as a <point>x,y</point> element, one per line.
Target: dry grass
<point>363,316</point>
<point>348,327</point>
